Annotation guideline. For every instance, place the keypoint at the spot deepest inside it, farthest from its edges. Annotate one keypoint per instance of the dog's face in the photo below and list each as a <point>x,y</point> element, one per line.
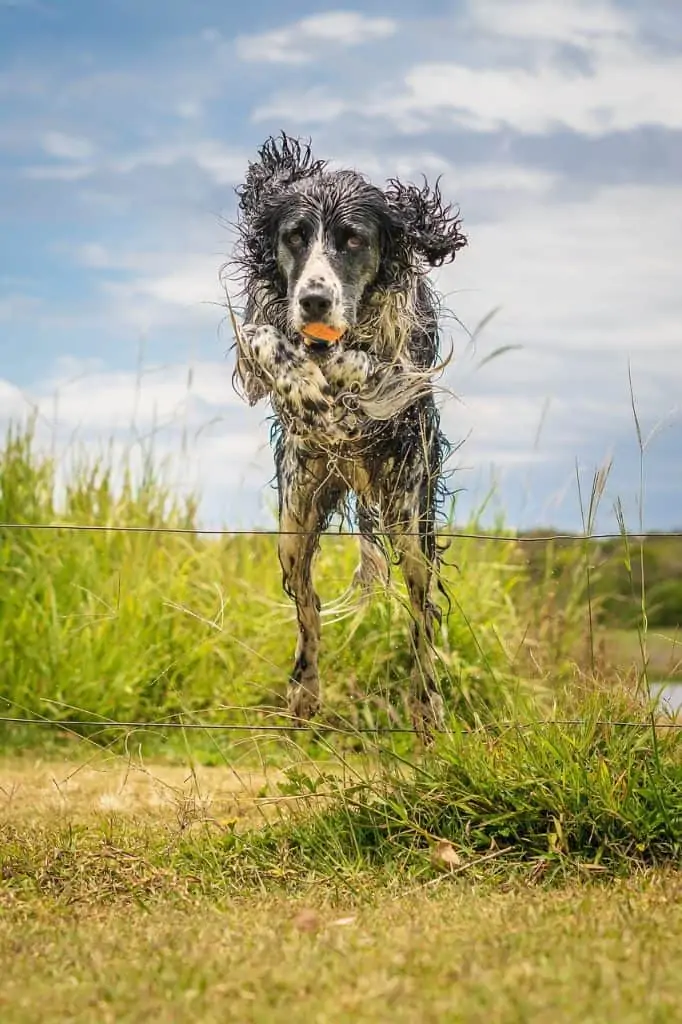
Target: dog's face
<point>328,245</point>
<point>317,246</point>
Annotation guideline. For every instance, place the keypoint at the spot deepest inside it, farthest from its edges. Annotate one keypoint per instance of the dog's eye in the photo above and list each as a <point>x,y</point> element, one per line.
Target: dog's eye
<point>295,240</point>
<point>355,242</point>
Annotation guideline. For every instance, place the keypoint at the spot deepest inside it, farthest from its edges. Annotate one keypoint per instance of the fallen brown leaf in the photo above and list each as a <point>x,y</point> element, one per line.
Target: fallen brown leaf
<point>445,856</point>
<point>307,921</point>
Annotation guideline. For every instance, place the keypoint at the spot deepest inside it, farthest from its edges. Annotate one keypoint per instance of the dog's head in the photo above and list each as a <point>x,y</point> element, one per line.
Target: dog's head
<point>318,244</point>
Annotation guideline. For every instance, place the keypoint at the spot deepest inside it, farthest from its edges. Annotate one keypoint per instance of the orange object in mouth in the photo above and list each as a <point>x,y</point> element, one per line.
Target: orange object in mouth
<point>320,332</point>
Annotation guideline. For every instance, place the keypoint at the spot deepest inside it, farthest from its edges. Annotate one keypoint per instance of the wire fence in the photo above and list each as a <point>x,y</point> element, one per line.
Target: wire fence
<point>543,538</point>
<point>543,723</point>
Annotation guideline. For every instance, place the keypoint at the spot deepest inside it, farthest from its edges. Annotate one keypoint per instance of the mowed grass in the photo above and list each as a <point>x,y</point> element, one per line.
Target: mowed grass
<point>579,954</point>
<point>122,899</point>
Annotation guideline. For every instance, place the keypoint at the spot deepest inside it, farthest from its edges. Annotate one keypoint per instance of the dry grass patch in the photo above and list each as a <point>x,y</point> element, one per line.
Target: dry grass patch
<point>33,790</point>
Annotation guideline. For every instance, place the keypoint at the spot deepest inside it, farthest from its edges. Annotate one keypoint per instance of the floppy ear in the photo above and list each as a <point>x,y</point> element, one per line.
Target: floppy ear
<point>431,228</point>
<point>281,162</point>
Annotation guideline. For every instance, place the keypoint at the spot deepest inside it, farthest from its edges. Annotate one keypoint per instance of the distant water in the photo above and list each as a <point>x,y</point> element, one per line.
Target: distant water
<point>669,695</point>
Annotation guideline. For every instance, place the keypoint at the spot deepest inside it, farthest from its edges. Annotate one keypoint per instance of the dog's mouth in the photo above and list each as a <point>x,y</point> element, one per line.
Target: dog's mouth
<point>321,335</point>
<point>317,348</point>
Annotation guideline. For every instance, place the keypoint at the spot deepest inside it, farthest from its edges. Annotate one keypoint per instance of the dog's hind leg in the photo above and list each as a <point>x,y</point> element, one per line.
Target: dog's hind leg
<point>373,566</point>
<point>417,569</point>
<point>307,499</point>
<point>409,503</point>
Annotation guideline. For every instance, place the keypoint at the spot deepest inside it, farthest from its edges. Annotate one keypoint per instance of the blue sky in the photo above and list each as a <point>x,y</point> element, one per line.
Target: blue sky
<point>555,124</point>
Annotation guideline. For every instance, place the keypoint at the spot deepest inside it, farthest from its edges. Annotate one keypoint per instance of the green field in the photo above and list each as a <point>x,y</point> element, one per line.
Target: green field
<point>664,651</point>
<point>525,867</point>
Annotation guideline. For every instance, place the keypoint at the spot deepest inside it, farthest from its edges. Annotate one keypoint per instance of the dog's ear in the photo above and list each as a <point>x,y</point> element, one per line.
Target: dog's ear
<point>281,162</point>
<point>429,226</point>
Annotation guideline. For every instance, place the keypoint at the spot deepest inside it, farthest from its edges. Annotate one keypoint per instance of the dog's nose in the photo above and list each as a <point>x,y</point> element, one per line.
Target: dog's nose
<point>315,304</point>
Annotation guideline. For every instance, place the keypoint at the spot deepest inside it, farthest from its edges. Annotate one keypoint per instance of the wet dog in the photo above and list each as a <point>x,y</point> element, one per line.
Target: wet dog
<point>341,334</point>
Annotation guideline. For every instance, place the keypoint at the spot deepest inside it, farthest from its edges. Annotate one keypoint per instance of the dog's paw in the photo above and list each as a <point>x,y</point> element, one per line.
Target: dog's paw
<point>263,341</point>
<point>304,389</point>
<point>428,716</point>
<point>303,703</point>
<point>347,368</point>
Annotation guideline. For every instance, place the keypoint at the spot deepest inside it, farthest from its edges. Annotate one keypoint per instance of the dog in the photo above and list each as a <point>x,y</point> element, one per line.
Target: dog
<point>327,253</point>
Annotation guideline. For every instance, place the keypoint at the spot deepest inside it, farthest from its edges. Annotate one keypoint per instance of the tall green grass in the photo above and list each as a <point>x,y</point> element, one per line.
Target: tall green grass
<point>141,626</point>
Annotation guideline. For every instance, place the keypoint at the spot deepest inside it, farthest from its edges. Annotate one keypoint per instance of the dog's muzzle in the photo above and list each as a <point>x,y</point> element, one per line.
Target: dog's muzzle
<point>315,304</point>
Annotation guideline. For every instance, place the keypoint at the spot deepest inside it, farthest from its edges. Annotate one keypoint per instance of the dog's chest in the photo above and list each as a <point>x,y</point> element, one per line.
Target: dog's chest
<point>367,420</point>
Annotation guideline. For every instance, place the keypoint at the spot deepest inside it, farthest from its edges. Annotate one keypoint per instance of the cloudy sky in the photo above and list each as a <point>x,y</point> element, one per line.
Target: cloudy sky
<point>556,126</point>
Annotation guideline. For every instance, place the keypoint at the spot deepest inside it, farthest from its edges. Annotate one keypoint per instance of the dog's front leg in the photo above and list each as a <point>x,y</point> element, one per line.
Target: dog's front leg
<point>281,368</point>
<point>307,496</point>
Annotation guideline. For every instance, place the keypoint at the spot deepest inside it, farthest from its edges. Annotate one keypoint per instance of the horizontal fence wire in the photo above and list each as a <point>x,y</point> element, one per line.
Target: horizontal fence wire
<point>450,534</point>
<point>76,723</point>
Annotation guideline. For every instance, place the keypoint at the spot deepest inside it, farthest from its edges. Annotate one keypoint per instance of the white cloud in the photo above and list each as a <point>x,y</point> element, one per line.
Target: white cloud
<point>108,401</point>
<point>15,306</point>
<point>596,274</point>
<point>626,86</point>
<point>12,400</point>
<point>148,288</point>
<point>627,89</point>
<point>314,106</point>
<point>198,429</point>
<point>347,27</point>
<point>67,147</point>
<point>160,288</point>
<point>566,21</point>
<point>192,284</point>
<point>499,177</point>
<point>59,172</point>
<point>94,255</point>
<point>312,38</point>
<point>588,287</point>
<point>224,166</point>
<point>189,109</point>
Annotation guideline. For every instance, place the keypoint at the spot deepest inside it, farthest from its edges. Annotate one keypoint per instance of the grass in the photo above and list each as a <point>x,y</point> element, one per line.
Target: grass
<point>519,869</point>
<point>583,954</point>
<point>142,626</point>
<point>510,802</point>
<point>165,902</point>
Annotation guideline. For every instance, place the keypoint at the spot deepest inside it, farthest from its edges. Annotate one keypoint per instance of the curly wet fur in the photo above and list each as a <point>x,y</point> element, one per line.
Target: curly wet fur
<point>359,417</point>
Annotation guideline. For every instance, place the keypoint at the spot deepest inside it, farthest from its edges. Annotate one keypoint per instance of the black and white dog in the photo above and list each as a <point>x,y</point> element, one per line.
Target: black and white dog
<point>329,254</point>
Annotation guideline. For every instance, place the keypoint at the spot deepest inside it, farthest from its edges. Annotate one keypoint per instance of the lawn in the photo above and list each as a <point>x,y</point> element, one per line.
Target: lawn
<point>576,954</point>
<point>102,920</point>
